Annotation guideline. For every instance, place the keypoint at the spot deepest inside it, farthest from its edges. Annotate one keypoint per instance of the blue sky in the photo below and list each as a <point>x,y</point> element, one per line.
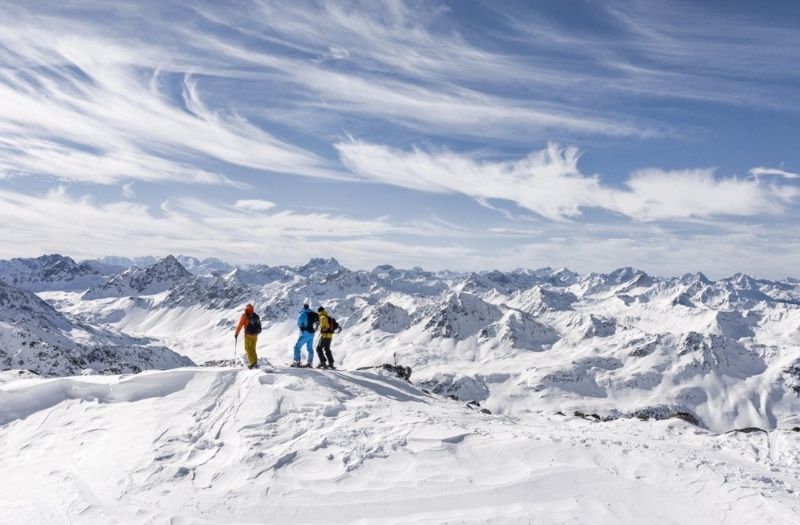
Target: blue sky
<point>462,135</point>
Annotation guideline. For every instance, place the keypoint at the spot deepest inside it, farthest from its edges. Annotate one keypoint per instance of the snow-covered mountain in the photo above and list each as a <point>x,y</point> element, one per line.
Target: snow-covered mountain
<point>161,276</point>
<point>49,272</point>
<point>34,336</point>
<point>616,344</point>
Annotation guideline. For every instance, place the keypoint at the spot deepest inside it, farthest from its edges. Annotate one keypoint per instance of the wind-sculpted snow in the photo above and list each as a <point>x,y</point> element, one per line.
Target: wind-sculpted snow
<point>222,445</point>
<point>609,344</point>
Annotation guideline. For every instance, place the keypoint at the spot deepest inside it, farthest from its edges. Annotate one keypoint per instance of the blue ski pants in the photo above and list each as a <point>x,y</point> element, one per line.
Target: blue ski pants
<point>306,338</point>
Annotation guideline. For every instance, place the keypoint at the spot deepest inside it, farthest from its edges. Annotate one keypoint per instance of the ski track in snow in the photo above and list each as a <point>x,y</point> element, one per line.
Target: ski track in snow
<point>223,445</point>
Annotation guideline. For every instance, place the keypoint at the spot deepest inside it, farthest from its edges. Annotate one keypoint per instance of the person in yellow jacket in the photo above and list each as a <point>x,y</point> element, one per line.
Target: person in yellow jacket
<point>251,323</point>
<point>326,330</point>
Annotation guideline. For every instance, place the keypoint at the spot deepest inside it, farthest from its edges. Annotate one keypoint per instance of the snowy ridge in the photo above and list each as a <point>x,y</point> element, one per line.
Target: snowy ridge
<point>219,445</point>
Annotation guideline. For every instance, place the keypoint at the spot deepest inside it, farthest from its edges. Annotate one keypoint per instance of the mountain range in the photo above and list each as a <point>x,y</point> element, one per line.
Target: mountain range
<point>622,344</point>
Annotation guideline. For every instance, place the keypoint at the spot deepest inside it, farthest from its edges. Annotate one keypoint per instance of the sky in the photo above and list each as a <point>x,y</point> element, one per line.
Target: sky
<point>468,135</point>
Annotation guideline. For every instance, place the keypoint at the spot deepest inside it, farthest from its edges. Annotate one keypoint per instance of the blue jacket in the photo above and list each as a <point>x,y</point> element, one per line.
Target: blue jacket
<point>303,320</point>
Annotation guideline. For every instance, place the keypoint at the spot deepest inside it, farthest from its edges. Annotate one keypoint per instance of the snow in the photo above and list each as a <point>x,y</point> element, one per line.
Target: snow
<point>518,353</point>
<point>218,445</point>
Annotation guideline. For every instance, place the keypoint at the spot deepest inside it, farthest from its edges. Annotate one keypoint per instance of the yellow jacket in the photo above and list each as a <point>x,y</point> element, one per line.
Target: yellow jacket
<point>325,326</point>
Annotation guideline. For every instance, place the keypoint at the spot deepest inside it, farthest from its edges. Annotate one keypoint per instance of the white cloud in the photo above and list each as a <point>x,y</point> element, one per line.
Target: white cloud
<point>549,183</point>
<point>59,221</point>
<point>49,157</point>
<point>658,195</point>
<point>79,107</point>
<point>761,171</point>
<point>255,204</point>
<point>656,49</point>
<point>80,227</point>
<point>443,108</point>
<point>660,252</point>
<point>336,53</point>
<point>128,191</point>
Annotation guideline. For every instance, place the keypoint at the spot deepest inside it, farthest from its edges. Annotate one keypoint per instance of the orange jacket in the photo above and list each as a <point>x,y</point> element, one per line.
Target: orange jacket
<point>243,320</point>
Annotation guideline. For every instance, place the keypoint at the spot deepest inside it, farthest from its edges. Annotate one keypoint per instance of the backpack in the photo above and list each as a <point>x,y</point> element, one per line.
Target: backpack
<point>312,320</point>
<point>253,324</point>
<point>333,325</point>
<point>307,321</point>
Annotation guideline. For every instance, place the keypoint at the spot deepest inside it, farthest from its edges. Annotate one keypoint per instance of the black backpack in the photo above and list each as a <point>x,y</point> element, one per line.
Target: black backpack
<point>253,324</point>
<point>312,320</point>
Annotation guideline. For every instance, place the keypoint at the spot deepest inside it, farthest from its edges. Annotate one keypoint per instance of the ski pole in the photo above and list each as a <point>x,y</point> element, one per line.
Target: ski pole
<point>235,344</point>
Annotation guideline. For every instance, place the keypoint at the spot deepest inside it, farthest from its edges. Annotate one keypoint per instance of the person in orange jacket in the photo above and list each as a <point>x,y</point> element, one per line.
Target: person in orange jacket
<point>251,323</point>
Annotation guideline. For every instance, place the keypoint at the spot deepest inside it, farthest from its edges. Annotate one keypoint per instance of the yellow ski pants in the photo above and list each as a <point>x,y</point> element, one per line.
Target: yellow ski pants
<point>250,348</point>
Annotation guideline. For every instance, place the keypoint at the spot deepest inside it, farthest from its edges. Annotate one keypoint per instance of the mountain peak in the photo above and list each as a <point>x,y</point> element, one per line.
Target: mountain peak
<point>697,277</point>
<point>624,274</point>
<point>164,275</point>
<point>48,272</point>
<point>319,264</point>
<point>171,263</point>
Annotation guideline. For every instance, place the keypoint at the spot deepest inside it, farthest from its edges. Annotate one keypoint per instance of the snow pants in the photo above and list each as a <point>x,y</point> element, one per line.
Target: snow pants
<point>307,339</point>
<point>324,351</point>
<point>250,349</point>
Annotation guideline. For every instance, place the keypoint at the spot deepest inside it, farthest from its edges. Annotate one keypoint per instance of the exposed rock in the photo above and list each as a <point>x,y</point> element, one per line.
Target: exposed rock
<point>747,430</point>
<point>403,372</point>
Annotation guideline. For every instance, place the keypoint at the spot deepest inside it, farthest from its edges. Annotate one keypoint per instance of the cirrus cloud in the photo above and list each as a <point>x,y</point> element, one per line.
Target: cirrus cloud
<point>549,183</point>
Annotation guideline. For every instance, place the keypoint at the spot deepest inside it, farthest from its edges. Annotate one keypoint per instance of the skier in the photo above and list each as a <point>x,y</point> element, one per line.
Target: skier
<point>306,321</point>
<point>251,323</point>
<point>327,326</point>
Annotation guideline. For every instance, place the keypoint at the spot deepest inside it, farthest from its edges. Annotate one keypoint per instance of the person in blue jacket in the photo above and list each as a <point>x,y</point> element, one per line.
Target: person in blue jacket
<point>307,321</point>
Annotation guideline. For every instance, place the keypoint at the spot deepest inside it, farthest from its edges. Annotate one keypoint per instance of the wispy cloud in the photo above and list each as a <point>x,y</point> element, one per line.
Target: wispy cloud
<point>82,107</point>
<point>762,172</point>
<point>549,183</point>
<point>255,204</point>
<point>684,50</point>
<point>133,93</point>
